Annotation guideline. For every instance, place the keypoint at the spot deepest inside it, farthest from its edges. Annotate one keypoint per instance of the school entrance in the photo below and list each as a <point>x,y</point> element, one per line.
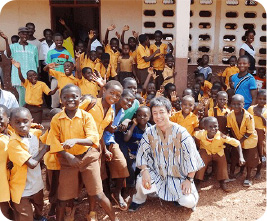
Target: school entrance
<point>79,15</point>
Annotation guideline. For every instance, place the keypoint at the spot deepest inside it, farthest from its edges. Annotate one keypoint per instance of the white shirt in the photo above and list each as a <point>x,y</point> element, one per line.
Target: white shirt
<point>95,44</point>
<point>248,50</point>
<point>34,181</point>
<point>8,99</point>
<point>44,49</point>
<point>37,43</point>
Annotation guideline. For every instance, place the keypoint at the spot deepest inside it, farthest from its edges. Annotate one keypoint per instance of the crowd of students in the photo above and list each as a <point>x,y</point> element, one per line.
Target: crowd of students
<point>101,99</point>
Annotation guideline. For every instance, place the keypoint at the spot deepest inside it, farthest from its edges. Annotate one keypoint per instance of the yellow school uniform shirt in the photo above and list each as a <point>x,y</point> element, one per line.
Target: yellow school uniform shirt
<point>5,173</point>
<point>88,87</point>
<point>206,88</point>
<point>133,54</point>
<point>62,78</point>
<point>113,56</point>
<point>98,114</point>
<point>34,93</point>
<point>215,145</point>
<point>159,63</point>
<point>62,128</point>
<point>228,72</point>
<point>220,113</point>
<point>109,72</point>
<point>167,72</point>
<point>86,62</point>
<point>50,160</point>
<point>68,44</point>
<point>142,52</point>
<point>18,154</point>
<point>258,121</point>
<point>126,65</point>
<point>247,126</point>
<point>190,122</point>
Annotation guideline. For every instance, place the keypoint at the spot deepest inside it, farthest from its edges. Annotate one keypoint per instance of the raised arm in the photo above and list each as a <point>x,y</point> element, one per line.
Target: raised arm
<point>33,162</point>
<point>8,51</point>
<point>50,66</point>
<point>125,28</point>
<point>61,21</point>
<point>17,65</point>
<point>136,34</point>
<point>110,28</point>
<point>129,133</point>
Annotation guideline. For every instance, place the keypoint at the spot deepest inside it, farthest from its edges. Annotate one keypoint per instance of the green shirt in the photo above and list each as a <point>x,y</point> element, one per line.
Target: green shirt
<point>59,57</point>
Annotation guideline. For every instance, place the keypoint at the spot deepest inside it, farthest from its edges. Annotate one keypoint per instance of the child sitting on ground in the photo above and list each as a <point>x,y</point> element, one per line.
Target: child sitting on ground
<point>186,117</point>
<point>229,71</point>
<point>168,72</point>
<point>259,112</point>
<point>211,146</point>
<point>34,90</point>
<point>242,126</point>
<point>26,183</point>
<point>204,67</point>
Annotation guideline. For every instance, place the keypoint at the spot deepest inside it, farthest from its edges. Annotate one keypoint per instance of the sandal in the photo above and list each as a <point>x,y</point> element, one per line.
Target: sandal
<point>122,206</point>
<point>247,183</point>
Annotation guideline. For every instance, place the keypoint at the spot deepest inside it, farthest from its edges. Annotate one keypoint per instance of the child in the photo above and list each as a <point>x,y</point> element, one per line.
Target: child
<point>76,148</point>
<point>212,149</point>
<point>140,99</point>
<point>26,183</point>
<point>149,87</point>
<point>241,124</point>
<point>99,51</point>
<point>117,164</point>
<point>168,74</point>
<point>52,170</point>
<point>188,91</point>
<point>205,85</point>
<point>212,101</point>
<point>131,141</point>
<point>158,62</point>
<point>259,113</point>
<point>34,90</point>
<point>143,58</point>
<point>185,117</point>
<point>229,71</point>
<point>5,173</point>
<point>260,78</point>
<point>68,35</point>
<point>59,55</point>
<point>204,67</point>
<point>104,68</point>
<point>126,64</point>
<point>14,39</point>
<point>170,93</point>
<point>198,93</point>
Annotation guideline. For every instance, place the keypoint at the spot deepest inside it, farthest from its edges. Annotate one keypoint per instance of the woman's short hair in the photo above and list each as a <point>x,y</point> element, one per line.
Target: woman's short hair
<point>161,101</point>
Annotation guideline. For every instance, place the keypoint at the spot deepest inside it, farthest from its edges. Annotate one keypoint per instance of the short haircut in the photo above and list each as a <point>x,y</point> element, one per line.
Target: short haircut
<point>99,48</point>
<point>54,111</point>
<point>68,86</point>
<point>131,38</point>
<point>127,79</point>
<point>261,92</point>
<point>216,87</point>
<point>244,56</point>
<point>127,92</point>
<point>158,32</point>
<point>186,97</point>
<point>85,69</point>
<point>200,75</point>
<point>5,109</point>
<point>209,119</point>
<point>233,56</point>
<point>113,83</point>
<point>31,71</point>
<point>250,31</point>
<point>115,39</point>
<point>238,96</point>
<point>143,108</point>
<point>161,101</point>
<point>57,35</point>
<point>169,56</point>
<point>17,110</point>
<point>142,38</point>
<point>222,93</point>
<point>30,23</point>
<point>47,30</point>
<point>16,37</point>
<point>168,86</point>
<point>80,42</point>
<point>105,56</point>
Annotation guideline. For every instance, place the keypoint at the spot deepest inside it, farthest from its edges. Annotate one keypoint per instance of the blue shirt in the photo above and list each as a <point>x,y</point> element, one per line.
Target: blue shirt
<point>108,137</point>
<point>245,87</point>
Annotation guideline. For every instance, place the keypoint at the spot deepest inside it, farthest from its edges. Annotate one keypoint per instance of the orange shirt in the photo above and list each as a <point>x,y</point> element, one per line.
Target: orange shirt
<point>206,88</point>
<point>141,53</point>
<point>109,72</point>
<point>133,54</point>
<point>159,63</point>
<point>228,72</point>
<point>258,121</point>
<point>113,56</point>
<point>88,87</point>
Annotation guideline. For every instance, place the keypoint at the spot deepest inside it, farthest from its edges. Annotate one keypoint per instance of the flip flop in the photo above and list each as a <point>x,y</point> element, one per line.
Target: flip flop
<point>247,183</point>
<point>120,205</point>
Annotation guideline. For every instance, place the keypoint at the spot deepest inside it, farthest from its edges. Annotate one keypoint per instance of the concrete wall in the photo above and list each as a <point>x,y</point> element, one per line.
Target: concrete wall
<point>120,13</point>
<point>17,13</point>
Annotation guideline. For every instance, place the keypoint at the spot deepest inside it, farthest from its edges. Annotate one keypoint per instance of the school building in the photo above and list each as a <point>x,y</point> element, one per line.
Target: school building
<point>194,27</point>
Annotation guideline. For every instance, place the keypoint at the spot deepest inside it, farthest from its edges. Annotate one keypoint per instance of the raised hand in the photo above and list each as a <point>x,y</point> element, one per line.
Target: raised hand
<point>111,27</point>
<point>15,63</point>
<point>118,35</point>
<point>3,35</point>
<point>98,79</point>
<point>91,34</point>
<point>173,96</point>
<point>52,65</point>
<point>135,34</point>
<point>126,28</point>
<point>77,54</point>
<point>61,21</point>
<point>135,121</point>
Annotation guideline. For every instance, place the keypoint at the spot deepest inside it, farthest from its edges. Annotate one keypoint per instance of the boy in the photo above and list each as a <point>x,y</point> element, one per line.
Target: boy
<point>104,68</point>
<point>229,71</point>
<point>168,74</point>
<point>205,85</point>
<point>59,55</point>
<point>186,117</point>
<point>32,40</point>
<point>118,165</point>
<point>204,67</point>
<point>241,124</point>
<point>211,149</point>
<point>158,62</point>
<point>26,184</point>
<point>144,57</point>
<point>76,148</point>
<point>34,90</point>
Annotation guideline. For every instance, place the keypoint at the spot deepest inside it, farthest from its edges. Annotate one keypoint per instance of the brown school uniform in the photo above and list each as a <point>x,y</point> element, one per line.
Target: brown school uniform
<point>126,68</point>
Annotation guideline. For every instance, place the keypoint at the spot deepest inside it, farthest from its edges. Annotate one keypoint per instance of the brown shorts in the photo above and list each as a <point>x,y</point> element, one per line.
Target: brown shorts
<point>52,177</point>
<point>71,179</point>
<point>118,165</point>
<point>36,113</point>
<point>251,157</point>
<point>23,210</point>
<point>221,167</point>
<point>261,142</point>
<point>142,75</point>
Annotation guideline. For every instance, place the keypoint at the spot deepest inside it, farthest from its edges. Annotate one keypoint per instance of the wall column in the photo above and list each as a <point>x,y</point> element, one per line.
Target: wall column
<point>181,43</point>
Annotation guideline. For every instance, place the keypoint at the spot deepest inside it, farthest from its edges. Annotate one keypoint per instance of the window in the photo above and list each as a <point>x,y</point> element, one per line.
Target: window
<point>168,25</point>
<point>205,13</point>
<point>168,2</point>
<point>225,60</point>
<point>250,3</point>
<point>263,38</point>
<point>263,27</point>
<point>262,62</point>
<point>149,13</point>
<point>264,15</point>
<point>191,13</point>
<point>168,13</point>
<point>204,37</point>
<point>231,14</point>
<point>149,24</point>
<point>204,49</point>
<point>150,1</point>
<point>262,51</point>
<point>229,37</point>
<point>205,25</point>
<point>250,15</point>
<point>231,26</point>
<point>228,49</point>
<point>232,2</point>
<point>248,26</point>
<point>167,37</point>
<point>205,2</point>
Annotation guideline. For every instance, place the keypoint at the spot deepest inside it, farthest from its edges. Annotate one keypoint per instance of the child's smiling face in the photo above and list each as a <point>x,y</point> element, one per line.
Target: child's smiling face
<point>32,77</point>
<point>70,98</point>
<point>112,94</point>
<point>68,68</point>
<point>243,64</point>
<point>143,116</point>
<point>114,45</point>
<point>3,120</point>
<point>188,104</point>
<point>58,41</point>
<point>212,126</point>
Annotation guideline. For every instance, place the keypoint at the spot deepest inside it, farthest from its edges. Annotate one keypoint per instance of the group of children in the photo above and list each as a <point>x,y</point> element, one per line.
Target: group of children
<point>103,111</point>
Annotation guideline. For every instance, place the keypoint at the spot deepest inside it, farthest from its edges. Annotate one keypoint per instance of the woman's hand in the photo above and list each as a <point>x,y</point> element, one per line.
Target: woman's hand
<point>186,187</point>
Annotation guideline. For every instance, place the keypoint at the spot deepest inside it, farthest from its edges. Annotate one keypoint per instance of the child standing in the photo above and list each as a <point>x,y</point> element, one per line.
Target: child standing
<point>205,85</point>
<point>78,155</point>
<point>259,112</point>
<point>26,183</point>
<point>204,67</point>
<point>242,126</point>
<point>168,74</point>
<point>104,68</point>
<point>158,62</point>
<point>229,71</point>
<point>186,117</point>
<point>34,90</point>
<point>211,149</point>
